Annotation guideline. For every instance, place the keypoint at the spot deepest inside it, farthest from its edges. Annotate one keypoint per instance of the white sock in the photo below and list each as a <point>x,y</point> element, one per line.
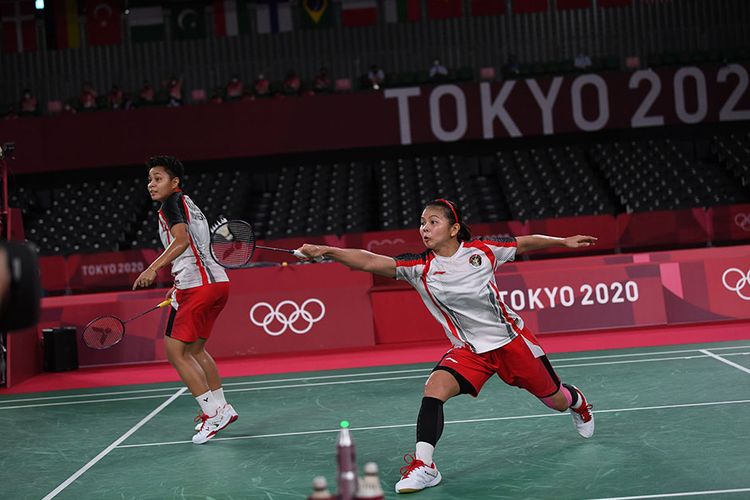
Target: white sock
<point>424,452</point>
<point>208,404</point>
<point>219,396</point>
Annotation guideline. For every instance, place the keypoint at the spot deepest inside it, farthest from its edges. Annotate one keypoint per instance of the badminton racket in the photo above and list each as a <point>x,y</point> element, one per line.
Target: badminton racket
<point>233,244</point>
<point>107,331</point>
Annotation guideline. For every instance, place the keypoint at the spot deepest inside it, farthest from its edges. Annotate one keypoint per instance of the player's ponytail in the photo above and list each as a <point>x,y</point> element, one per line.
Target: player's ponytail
<point>453,214</point>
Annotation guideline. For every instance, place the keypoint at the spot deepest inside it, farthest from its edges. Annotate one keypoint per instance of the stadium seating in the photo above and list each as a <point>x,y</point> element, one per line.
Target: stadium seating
<point>113,212</point>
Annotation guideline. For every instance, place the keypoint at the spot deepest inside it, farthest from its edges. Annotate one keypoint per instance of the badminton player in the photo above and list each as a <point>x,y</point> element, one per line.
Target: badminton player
<point>455,277</point>
<point>200,292</point>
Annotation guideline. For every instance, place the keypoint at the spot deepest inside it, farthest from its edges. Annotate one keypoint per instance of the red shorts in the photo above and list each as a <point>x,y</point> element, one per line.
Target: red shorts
<point>521,363</point>
<point>197,311</point>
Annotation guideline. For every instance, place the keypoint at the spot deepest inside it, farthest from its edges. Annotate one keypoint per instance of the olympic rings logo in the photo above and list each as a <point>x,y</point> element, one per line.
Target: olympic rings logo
<point>737,285</point>
<point>379,243</point>
<point>743,221</point>
<point>287,314</point>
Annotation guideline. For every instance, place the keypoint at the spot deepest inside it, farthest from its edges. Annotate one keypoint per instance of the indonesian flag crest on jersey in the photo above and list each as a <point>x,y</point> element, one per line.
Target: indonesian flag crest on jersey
<point>475,260</point>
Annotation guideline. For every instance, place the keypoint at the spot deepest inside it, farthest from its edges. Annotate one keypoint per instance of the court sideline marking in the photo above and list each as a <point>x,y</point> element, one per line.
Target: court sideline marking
<point>346,382</point>
<point>672,495</point>
<point>719,358</point>
<point>105,452</point>
<point>390,372</point>
<point>447,422</point>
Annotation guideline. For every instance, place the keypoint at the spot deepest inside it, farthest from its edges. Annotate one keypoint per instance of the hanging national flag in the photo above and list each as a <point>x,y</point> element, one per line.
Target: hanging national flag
<point>146,24</point>
<point>316,13</point>
<point>613,3</point>
<point>19,26</point>
<point>188,21</point>
<point>403,10</point>
<point>573,4</point>
<point>529,6</point>
<point>274,16</point>
<point>103,22</point>
<point>359,12</point>
<point>61,24</point>
<point>443,9</point>
<point>487,7</point>
<point>231,17</point>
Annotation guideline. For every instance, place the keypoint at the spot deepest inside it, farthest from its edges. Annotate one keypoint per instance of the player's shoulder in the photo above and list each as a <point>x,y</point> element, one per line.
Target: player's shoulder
<point>412,259</point>
<point>494,241</point>
<point>173,200</point>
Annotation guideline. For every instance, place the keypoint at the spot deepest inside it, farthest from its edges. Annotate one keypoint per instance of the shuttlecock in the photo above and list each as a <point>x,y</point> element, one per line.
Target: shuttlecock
<point>222,229</point>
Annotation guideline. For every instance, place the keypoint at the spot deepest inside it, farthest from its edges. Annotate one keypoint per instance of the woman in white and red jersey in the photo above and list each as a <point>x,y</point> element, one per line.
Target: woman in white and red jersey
<point>199,294</point>
<point>455,277</point>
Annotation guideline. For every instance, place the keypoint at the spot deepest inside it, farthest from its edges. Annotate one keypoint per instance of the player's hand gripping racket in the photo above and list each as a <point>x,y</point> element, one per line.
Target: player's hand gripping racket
<point>233,244</point>
<point>107,331</point>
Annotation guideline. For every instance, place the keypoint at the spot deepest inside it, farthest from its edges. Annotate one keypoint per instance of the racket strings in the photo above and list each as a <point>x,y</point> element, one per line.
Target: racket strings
<point>103,332</point>
<point>233,244</point>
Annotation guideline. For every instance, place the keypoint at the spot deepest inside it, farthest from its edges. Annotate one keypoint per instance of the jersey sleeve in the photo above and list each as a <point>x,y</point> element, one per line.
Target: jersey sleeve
<point>504,248</point>
<point>174,210</point>
<point>409,267</point>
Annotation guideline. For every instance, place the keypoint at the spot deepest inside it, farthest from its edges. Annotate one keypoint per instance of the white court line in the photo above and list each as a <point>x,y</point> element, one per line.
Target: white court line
<point>719,358</point>
<point>105,452</point>
<point>345,382</point>
<point>447,422</point>
<point>363,374</point>
<point>684,494</point>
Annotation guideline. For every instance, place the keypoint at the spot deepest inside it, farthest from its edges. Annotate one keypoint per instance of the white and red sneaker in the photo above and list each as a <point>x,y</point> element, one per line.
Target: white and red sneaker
<point>583,418</point>
<point>210,426</point>
<point>417,475</point>
<point>233,416</point>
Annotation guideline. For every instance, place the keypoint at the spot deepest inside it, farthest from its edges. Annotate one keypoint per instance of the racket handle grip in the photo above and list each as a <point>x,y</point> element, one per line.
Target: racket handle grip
<point>165,303</point>
<point>302,256</point>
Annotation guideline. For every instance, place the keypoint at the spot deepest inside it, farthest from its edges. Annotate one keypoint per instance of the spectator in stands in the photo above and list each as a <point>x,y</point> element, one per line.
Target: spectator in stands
<point>29,105</point>
<point>375,77</point>
<point>235,88</point>
<point>216,97</point>
<point>291,83</point>
<point>511,68</point>
<point>262,86</point>
<point>174,87</point>
<point>147,94</point>
<point>322,83</point>
<point>88,97</point>
<point>10,113</point>
<point>438,71</point>
<point>582,61</point>
<point>455,277</point>
<point>201,291</point>
<point>115,98</point>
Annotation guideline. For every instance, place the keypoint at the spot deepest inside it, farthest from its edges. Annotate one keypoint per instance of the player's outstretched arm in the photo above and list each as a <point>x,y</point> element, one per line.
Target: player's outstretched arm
<point>360,260</point>
<point>540,242</point>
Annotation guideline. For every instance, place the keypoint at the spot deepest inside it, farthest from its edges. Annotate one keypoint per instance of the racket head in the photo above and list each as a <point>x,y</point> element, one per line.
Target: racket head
<point>104,332</point>
<point>232,244</point>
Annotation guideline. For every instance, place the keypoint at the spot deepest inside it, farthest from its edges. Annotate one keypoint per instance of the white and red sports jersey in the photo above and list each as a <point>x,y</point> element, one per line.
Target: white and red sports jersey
<point>193,267</point>
<point>461,292</point>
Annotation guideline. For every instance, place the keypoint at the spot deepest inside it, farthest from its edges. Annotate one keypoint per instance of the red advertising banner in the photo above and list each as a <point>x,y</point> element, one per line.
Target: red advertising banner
<point>408,115</point>
<point>663,228</point>
<point>730,223</point>
<point>111,269</point>
<point>270,310</point>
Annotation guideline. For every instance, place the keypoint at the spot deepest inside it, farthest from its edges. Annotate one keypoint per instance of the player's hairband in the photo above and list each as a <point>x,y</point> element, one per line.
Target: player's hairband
<point>450,205</point>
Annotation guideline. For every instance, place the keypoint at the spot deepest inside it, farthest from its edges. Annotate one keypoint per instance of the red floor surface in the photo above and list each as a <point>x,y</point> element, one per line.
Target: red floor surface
<point>382,355</point>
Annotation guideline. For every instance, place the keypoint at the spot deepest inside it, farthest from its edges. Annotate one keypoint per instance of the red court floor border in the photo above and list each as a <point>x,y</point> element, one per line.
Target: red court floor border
<point>381,355</point>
